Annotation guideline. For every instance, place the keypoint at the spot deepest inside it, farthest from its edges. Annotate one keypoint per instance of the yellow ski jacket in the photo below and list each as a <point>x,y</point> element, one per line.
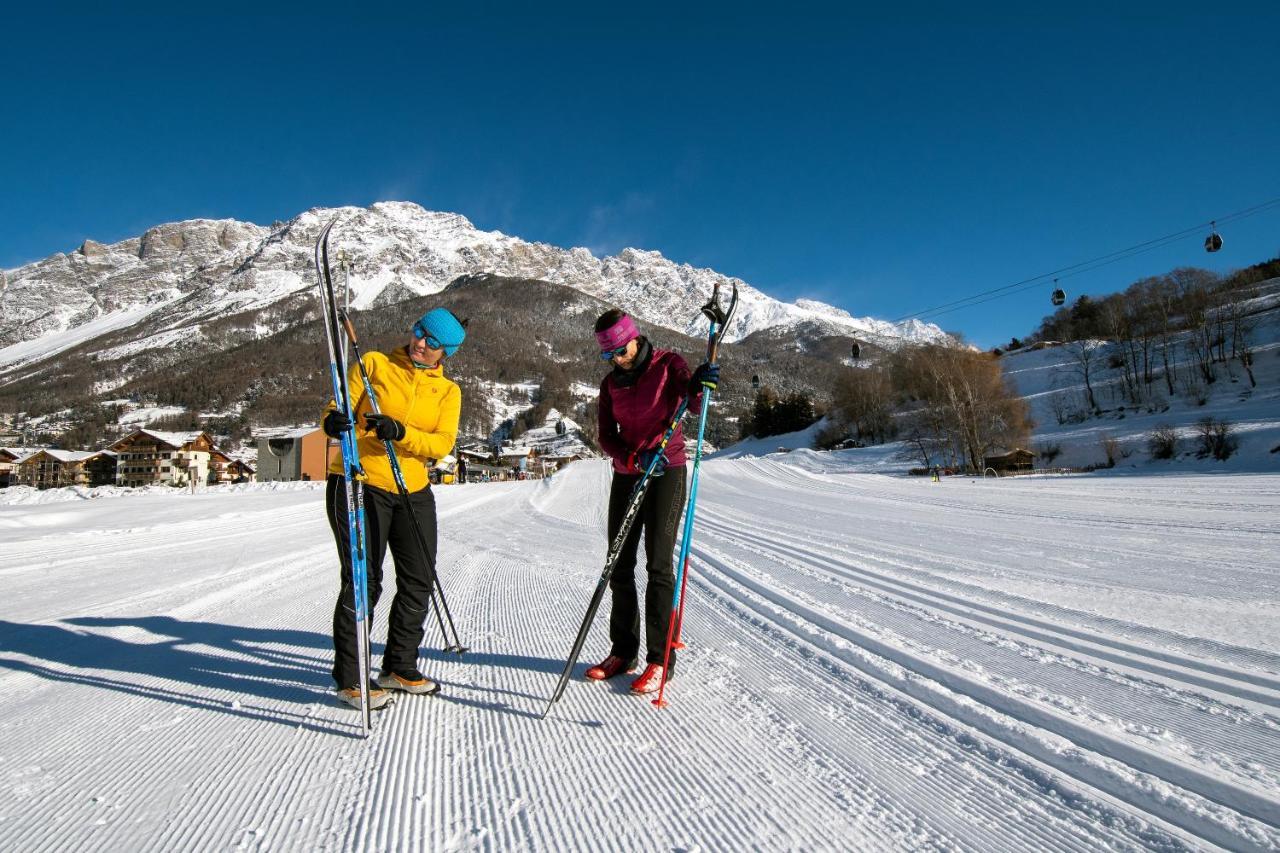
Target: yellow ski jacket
<point>422,399</point>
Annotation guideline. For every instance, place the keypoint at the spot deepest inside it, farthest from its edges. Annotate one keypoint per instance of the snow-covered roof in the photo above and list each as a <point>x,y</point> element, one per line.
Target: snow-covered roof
<point>177,439</point>
<point>285,432</point>
<point>173,439</point>
<point>1000,452</point>
<point>67,455</point>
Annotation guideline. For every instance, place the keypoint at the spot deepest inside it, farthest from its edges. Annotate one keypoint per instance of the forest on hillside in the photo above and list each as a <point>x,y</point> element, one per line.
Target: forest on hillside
<point>949,403</point>
<point>1162,336</point>
<point>228,378</point>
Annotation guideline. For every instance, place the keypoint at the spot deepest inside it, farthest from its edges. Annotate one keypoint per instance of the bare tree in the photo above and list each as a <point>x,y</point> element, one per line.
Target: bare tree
<point>1162,443</point>
<point>1240,328</point>
<point>1060,405</point>
<point>864,400</point>
<point>1086,363</point>
<point>929,444</point>
<point>1110,448</point>
<point>1193,288</point>
<point>1120,331</point>
<point>1216,438</point>
<point>1049,451</point>
<point>966,404</point>
<point>1161,296</point>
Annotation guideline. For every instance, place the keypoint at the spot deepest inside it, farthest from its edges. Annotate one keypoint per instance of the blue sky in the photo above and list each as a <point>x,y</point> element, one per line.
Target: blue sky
<point>883,161</point>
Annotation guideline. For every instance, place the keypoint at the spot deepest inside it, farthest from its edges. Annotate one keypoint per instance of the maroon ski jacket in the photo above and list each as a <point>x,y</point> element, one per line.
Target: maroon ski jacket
<point>636,407</point>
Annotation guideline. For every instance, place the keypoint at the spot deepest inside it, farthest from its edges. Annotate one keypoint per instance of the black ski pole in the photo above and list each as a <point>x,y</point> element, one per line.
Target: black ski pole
<point>611,559</point>
<point>719,325</point>
<point>352,475</point>
<point>455,646</point>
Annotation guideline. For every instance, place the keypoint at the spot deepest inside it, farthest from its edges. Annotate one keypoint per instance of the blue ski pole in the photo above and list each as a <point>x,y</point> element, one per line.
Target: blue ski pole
<point>352,473</point>
<point>719,318</point>
<point>452,644</point>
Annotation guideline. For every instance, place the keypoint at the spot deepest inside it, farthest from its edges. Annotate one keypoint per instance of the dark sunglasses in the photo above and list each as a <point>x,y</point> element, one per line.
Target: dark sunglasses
<point>420,332</point>
<point>615,353</point>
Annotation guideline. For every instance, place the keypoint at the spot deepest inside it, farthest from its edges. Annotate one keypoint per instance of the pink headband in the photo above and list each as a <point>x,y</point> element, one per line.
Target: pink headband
<point>619,334</point>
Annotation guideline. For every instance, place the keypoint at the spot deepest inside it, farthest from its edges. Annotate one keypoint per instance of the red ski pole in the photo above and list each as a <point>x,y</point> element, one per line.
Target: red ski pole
<point>719,325</point>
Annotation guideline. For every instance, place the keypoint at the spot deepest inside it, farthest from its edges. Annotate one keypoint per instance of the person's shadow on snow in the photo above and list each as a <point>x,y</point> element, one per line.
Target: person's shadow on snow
<point>457,691</point>
<point>213,666</point>
<point>198,664</point>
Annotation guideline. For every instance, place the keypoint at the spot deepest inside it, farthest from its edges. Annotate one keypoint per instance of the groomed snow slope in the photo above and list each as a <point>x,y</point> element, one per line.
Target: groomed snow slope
<point>874,662</point>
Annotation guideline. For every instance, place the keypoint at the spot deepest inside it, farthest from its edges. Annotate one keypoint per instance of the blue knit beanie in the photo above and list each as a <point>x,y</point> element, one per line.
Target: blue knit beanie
<point>440,324</point>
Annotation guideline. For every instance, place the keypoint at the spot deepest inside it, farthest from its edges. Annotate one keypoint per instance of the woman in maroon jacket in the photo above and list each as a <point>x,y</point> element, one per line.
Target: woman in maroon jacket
<point>637,401</point>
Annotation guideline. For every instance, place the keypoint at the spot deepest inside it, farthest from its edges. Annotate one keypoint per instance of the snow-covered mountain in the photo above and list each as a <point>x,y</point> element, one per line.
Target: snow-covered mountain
<point>186,273</point>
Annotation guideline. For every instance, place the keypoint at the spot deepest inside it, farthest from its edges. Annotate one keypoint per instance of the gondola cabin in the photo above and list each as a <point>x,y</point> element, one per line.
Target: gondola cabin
<point>1059,296</point>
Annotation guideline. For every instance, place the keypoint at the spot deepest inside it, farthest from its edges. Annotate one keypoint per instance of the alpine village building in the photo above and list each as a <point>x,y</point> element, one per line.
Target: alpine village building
<point>170,458</point>
<point>9,459</point>
<point>48,468</point>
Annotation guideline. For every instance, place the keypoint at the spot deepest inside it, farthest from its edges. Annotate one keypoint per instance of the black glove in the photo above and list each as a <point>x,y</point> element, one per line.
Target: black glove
<point>644,457</point>
<point>335,424</point>
<point>385,427</point>
<point>706,376</point>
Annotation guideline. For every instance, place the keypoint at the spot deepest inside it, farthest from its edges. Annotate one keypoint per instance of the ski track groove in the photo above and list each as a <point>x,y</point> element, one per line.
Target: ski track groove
<point>786,610</point>
<point>595,695</point>
<point>1236,553</point>
<point>1062,637</point>
<point>776,474</point>
<point>931,567</point>
<point>978,598</point>
<point>879,760</point>
<point>1019,786</point>
<point>942,795</point>
<point>1266,741</point>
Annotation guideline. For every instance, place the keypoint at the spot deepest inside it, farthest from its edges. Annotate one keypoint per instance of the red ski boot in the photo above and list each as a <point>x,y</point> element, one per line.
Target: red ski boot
<point>609,667</point>
<point>650,680</point>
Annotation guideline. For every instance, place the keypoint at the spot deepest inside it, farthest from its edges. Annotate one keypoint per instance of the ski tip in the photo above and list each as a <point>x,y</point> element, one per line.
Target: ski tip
<point>677,645</point>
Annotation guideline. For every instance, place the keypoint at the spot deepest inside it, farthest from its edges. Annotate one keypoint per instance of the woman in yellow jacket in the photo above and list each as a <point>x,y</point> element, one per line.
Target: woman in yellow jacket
<point>419,414</point>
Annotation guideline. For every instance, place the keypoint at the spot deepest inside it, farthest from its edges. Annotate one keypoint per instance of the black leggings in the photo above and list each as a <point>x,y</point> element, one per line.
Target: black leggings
<point>386,524</point>
<point>659,517</point>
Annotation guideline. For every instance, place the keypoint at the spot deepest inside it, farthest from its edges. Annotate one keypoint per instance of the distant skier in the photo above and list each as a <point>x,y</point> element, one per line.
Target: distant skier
<point>461,469</point>
<point>419,413</point>
<point>637,399</point>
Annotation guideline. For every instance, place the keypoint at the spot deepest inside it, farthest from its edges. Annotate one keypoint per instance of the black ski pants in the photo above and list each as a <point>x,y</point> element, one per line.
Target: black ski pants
<point>387,523</point>
<point>658,518</point>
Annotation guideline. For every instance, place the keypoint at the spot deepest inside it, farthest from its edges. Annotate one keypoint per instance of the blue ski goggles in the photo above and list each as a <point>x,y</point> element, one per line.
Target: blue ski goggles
<point>615,353</point>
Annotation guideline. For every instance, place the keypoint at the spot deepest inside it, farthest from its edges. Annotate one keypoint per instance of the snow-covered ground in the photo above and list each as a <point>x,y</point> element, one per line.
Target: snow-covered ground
<point>1050,380</point>
<point>874,662</point>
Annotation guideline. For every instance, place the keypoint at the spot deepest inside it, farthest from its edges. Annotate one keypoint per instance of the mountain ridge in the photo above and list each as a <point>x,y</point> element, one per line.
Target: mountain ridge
<point>195,270</point>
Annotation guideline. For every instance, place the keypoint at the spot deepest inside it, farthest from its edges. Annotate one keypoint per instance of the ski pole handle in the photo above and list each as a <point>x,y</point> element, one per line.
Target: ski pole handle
<point>348,327</point>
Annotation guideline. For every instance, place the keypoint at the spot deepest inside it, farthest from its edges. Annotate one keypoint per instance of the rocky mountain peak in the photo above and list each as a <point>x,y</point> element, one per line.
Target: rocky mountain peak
<point>195,271</point>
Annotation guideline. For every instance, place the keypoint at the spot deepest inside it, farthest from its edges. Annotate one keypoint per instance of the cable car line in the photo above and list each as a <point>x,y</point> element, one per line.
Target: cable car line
<point>1212,243</point>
